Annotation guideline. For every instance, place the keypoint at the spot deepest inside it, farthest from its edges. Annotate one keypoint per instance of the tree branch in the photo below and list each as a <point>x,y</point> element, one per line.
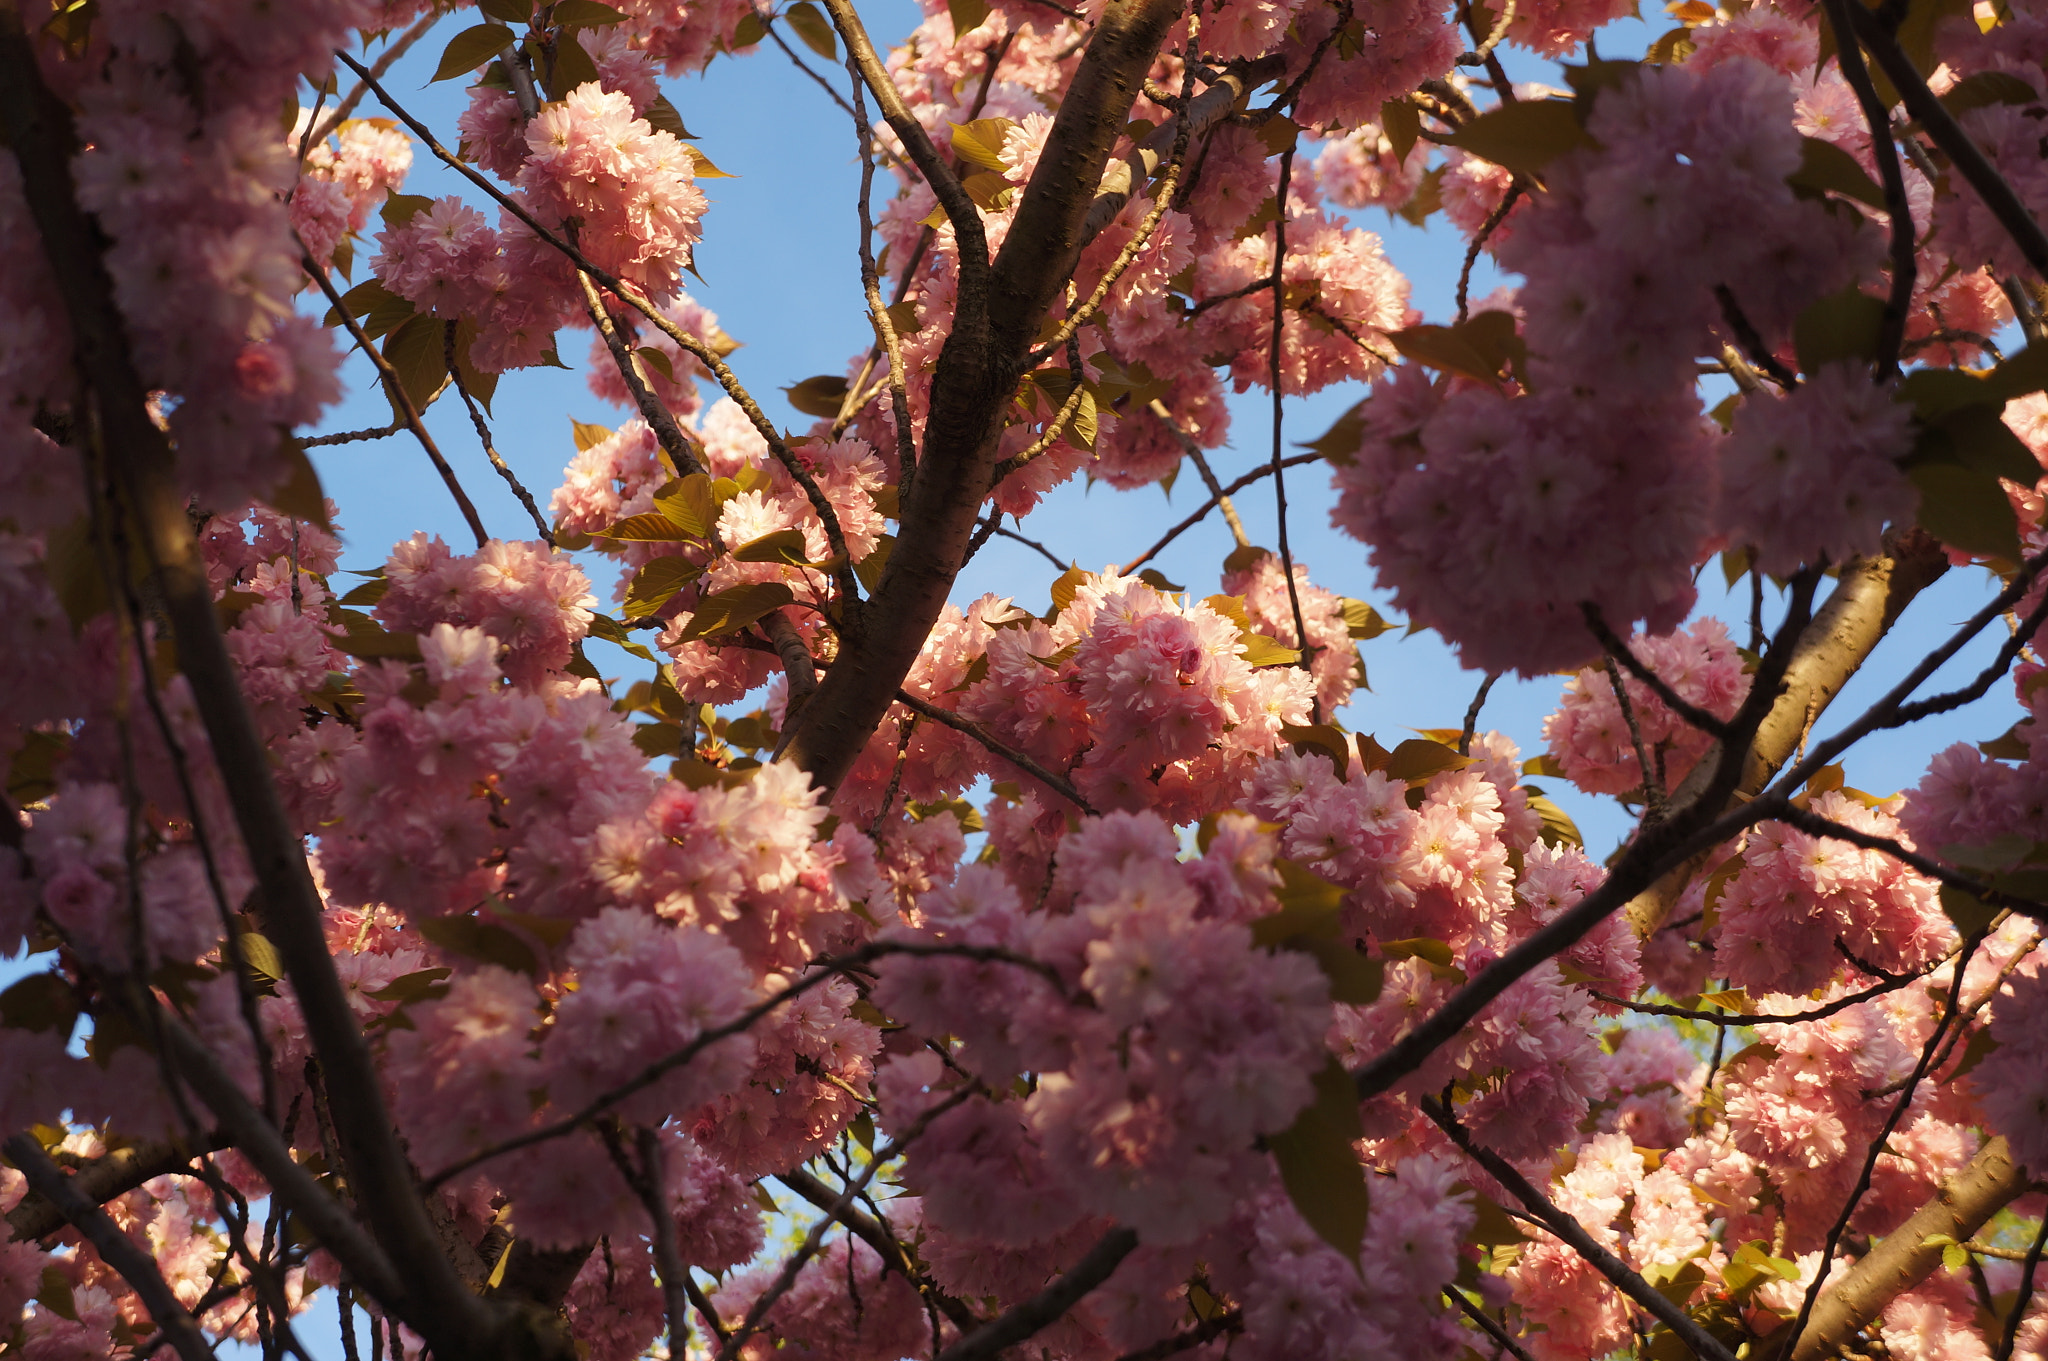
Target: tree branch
<point>1025,1320</point>
<point>424,1289</point>
<point>945,185</point>
<point>114,1173</point>
<point>1668,1312</point>
<point>1909,1254</point>
<point>1057,783</point>
<point>115,1248</point>
<point>1970,162</point>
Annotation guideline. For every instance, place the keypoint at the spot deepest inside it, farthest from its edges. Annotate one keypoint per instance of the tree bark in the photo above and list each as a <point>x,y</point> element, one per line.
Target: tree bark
<point>1903,1258</point>
<point>972,387</point>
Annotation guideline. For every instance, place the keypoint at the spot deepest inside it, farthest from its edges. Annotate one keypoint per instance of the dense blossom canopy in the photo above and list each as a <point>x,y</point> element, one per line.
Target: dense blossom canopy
<point>1099,991</point>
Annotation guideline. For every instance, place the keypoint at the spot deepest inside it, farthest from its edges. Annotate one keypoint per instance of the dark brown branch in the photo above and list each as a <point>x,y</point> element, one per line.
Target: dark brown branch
<point>401,400</point>
<point>973,384</point>
<point>1466,733</point>
<point>680,448</point>
<point>423,1288</point>
<point>1208,1330</point>
<point>1752,344</point>
<point>1687,828</point>
<point>1486,1324</point>
<point>1969,161</point>
<point>1891,331</point>
<point>1025,1320</point>
<point>1059,784</point>
<point>115,1248</point>
<point>114,1173</point>
<point>1265,470</point>
<point>1486,228</point>
<point>483,434</point>
<point>1668,1312</point>
<point>945,185</point>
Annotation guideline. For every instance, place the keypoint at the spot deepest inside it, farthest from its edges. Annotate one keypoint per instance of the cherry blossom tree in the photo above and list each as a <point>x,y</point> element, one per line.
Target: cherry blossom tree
<point>1072,980</point>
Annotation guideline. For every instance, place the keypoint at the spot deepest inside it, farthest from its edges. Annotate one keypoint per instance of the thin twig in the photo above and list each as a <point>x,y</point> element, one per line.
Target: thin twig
<point>385,60</point>
<point>1465,733</point>
<point>483,433</point>
<point>825,969</point>
<point>1202,512</point>
<point>1666,1311</point>
<point>1193,451</point>
<point>1653,788</point>
<point>1492,223</point>
<point>1621,652</point>
<point>401,400</point>
<point>1058,784</point>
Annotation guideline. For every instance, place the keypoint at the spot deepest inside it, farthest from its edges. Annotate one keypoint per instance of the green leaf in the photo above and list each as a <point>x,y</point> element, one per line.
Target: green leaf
<point>1975,1052</point>
<point>814,28</point>
<point>691,505</point>
<point>1524,136</point>
<point>1970,913</point>
<point>1730,999</point>
<point>507,11</point>
<point>735,608</point>
<point>1402,122</point>
<point>869,569</point>
<point>1321,737</point>
<point>478,383</point>
<point>662,116</point>
<point>381,310</point>
<point>785,546</point>
<point>1318,1166</point>
<point>41,1001</point>
<point>260,955</point>
<point>981,143</point>
<point>820,396</point>
<point>657,739</point>
<point>367,594</point>
<point>1966,509</point>
<point>1339,444</point>
<point>1425,948</point>
<point>1841,326</point>
<point>1065,586</point>
<point>967,15</point>
<point>418,353</point>
<point>1954,1257</point>
<point>656,584</point>
<point>1986,88</point>
<point>54,1294</point>
<point>572,69</point>
<point>588,436</point>
<point>299,495</point>
<point>1558,827</point>
<point>1825,168</point>
<point>656,361</point>
<point>485,942</point>
<point>419,986</point>
<point>1309,905</point>
<point>612,631</point>
<point>367,638</point>
<point>1362,621</point>
<point>1354,977</point>
<point>647,527</point>
<point>1419,758</point>
<point>400,209</point>
<point>471,48</point>
<point>1976,437</point>
<point>701,166</point>
<point>1260,650</point>
<point>1479,348</point>
<point>1676,1282</point>
<point>1156,579</point>
<point>585,14</point>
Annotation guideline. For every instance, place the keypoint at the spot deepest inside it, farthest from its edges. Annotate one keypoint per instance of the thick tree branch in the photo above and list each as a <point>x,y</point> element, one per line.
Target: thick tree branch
<point>115,1248</point>
<point>1909,1254</point>
<point>1869,596</point>
<point>427,1293</point>
<point>114,1173</point>
<point>972,387</point>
